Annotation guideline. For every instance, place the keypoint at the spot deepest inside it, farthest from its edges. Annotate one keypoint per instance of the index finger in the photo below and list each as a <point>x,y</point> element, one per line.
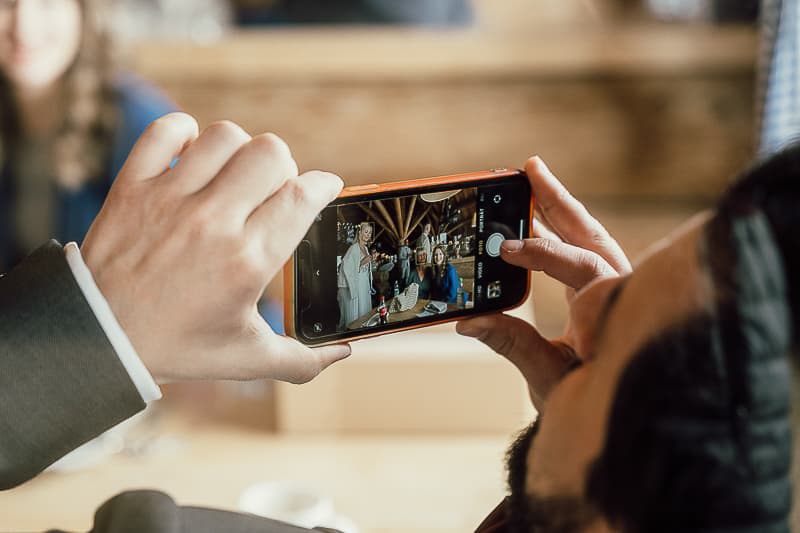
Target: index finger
<point>163,140</point>
<point>570,218</point>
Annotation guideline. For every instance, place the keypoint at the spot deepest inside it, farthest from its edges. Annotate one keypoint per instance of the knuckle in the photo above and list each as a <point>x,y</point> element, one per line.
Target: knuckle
<point>596,232</point>
<point>545,247</point>
<point>595,264</point>
<point>598,237</point>
<point>300,193</point>
<point>502,343</point>
<point>560,200</point>
<point>165,126</point>
<point>227,130</point>
<point>272,146</point>
<point>277,153</point>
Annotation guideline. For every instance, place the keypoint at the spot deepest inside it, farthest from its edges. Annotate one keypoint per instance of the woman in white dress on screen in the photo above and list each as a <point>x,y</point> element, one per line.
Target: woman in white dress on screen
<point>355,278</point>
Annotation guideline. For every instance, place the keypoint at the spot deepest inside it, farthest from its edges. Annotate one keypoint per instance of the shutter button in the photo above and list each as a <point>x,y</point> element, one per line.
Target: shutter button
<point>493,244</point>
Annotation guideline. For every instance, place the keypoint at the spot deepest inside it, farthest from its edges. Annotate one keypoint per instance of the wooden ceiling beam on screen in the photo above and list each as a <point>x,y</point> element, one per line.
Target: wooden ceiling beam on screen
<point>408,227</point>
<point>398,207</point>
<point>376,218</point>
<point>383,211</point>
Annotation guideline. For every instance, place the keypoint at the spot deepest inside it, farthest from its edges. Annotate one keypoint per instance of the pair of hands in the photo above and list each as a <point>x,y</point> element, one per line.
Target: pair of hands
<point>183,253</point>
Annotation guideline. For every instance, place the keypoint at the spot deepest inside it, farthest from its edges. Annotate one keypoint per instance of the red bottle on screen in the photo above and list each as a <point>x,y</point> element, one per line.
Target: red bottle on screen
<point>383,312</point>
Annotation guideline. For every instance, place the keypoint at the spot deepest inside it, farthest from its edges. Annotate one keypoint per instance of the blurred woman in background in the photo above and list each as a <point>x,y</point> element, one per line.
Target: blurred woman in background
<point>445,282</point>
<point>67,120</point>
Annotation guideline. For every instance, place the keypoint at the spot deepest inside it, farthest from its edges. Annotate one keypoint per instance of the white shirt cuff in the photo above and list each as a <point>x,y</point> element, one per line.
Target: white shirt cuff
<point>138,373</point>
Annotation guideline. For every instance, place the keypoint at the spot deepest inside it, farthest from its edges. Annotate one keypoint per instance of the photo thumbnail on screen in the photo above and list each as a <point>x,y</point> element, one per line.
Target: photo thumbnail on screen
<point>407,259</point>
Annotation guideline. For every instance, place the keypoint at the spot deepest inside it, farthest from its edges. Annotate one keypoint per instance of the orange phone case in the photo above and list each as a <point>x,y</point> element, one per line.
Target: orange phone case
<point>396,186</point>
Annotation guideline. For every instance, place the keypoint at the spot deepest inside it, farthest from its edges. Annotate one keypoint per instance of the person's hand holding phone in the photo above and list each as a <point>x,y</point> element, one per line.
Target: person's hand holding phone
<point>568,245</point>
<point>183,252</point>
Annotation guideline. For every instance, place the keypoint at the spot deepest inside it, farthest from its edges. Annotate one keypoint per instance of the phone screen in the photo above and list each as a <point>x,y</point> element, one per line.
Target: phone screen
<point>389,261</point>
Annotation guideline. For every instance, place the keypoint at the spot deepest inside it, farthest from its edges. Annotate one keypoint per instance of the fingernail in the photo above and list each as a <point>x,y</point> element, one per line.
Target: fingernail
<point>512,246</point>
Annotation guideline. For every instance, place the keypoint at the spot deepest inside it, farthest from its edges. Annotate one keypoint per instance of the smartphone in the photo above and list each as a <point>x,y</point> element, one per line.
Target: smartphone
<point>404,255</point>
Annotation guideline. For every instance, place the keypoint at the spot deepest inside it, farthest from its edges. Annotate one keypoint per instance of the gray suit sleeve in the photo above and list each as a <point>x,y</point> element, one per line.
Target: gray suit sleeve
<point>61,382</point>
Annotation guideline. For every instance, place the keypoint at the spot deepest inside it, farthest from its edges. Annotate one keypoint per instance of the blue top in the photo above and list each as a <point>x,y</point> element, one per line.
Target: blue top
<point>139,104</point>
<point>447,289</point>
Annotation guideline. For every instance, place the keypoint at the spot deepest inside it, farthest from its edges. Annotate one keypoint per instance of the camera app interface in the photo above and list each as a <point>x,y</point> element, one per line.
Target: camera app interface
<point>415,258</point>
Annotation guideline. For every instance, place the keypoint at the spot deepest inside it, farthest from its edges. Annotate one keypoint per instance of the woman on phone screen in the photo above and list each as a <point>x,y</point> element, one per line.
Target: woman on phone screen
<point>355,278</point>
<point>444,286</point>
<point>68,119</point>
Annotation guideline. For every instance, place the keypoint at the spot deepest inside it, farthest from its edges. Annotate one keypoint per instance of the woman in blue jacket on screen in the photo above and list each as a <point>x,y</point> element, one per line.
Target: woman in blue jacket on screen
<point>67,121</point>
<point>445,283</point>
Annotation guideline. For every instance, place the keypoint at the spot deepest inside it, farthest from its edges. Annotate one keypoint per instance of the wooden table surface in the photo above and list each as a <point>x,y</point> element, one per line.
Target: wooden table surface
<point>385,484</point>
<point>399,316</point>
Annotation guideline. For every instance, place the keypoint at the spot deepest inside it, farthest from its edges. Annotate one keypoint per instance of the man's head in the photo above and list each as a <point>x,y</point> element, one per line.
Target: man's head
<point>677,418</point>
